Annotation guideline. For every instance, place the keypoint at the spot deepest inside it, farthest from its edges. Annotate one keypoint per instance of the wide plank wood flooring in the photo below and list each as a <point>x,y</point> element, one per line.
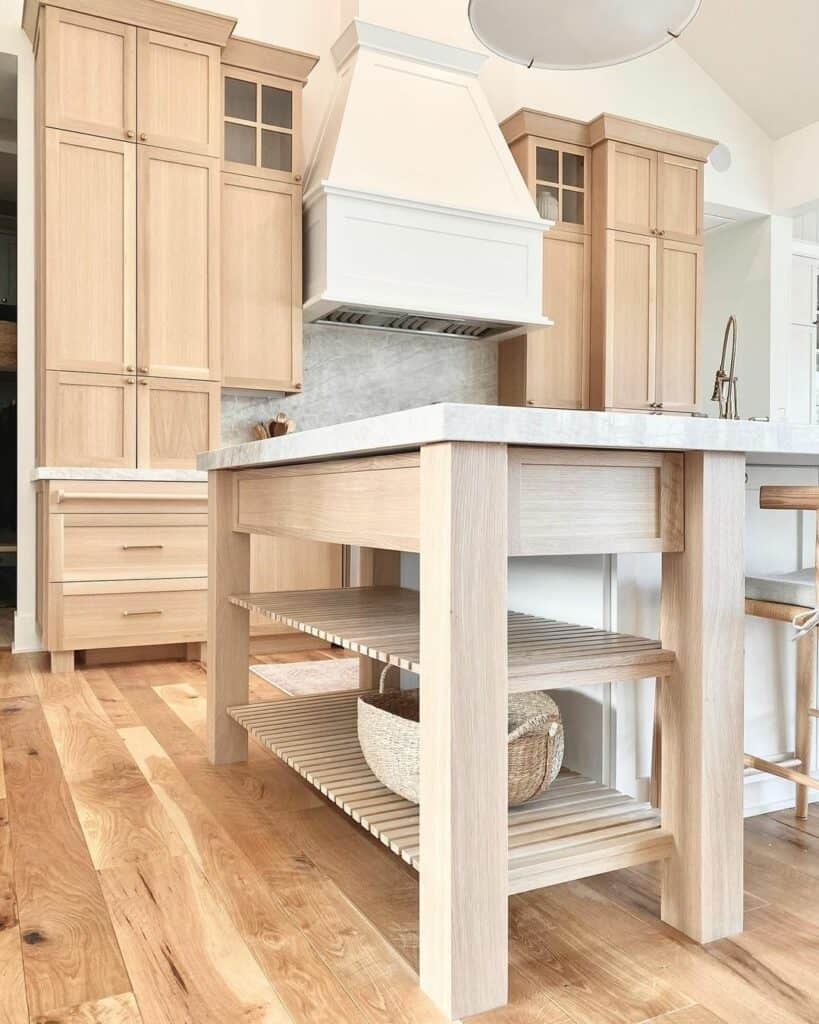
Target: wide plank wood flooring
<point>141,885</point>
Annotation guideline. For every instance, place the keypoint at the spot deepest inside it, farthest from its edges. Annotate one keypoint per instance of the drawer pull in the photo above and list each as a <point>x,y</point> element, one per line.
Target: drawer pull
<point>148,611</point>
<point>114,496</point>
<point>138,547</point>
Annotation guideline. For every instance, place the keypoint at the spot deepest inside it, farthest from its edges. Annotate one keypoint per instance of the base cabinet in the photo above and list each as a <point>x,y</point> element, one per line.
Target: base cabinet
<point>124,564</point>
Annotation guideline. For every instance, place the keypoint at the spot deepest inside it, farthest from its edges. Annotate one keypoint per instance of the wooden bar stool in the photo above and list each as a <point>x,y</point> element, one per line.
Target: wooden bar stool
<point>782,597</point>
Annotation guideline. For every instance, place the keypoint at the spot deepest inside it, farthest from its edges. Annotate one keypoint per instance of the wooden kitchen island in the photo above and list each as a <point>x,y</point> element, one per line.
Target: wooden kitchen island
<point>468,486</point>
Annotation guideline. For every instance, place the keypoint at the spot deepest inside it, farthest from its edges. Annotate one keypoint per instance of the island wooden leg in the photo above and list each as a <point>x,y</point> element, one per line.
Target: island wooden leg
<point>464,870</point>
<point>228,626</point>
<point>702,619</point>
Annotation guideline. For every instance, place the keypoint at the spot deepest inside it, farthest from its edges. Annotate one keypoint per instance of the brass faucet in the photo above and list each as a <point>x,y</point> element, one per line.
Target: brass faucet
<point>725,384</point>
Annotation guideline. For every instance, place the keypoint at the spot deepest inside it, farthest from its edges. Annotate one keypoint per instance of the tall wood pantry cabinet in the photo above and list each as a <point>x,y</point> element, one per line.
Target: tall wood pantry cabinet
<point>622,265</point>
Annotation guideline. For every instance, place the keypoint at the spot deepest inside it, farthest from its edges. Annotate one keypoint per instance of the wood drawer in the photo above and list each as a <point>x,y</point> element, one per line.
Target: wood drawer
<point>129,613</point>
<point>117,496</point>
<point>127,547</point>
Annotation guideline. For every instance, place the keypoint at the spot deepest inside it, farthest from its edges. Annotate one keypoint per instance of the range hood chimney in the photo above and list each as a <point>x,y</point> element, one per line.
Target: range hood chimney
<point>416,216</point>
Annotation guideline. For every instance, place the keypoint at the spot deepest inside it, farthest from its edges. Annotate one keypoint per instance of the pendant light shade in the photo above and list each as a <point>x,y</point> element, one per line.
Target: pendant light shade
<point>566,35</point>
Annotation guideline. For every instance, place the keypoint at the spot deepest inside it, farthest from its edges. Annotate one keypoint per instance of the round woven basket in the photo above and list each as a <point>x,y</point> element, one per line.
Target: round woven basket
<point>390,738</point>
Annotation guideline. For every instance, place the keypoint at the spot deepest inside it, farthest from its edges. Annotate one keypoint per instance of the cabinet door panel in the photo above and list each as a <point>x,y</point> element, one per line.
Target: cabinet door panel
<point>680,303</point>
<point>91,420</point>
<point>178,99</point>
<point>261,283</point>
<point>285,563</point>
<point>632,188</point>
<point>178,264</point>
<point>801,371</point>
<point>631,320</point>
<point>176,419</point>
<point>557,358</point>
<point>90,242</point>
<point>680,198</point>
<point>804,271</point>
<point>90,74</point>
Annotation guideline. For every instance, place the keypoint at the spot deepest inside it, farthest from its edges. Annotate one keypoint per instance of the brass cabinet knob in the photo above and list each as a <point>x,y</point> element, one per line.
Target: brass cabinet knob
<point>129,369</point>
<point>130,380</point>
<point>144,383</point>
<point>142,136</point>
<point>143,369</point>
<point>130,133</point>
<point>296,177</point>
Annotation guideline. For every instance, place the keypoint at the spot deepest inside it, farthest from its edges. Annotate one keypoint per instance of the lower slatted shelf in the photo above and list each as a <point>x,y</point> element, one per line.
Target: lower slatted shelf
<point>577,828</point>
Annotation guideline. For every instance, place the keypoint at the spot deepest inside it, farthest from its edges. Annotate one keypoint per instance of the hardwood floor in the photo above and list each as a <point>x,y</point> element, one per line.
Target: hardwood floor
<point>141,885</point>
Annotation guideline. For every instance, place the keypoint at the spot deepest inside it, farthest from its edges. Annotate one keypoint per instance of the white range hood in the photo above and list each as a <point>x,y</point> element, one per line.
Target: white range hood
<point>416,216</point>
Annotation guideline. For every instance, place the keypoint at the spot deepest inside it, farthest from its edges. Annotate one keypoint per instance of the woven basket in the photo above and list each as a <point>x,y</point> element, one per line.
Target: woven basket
<point>390,735</point>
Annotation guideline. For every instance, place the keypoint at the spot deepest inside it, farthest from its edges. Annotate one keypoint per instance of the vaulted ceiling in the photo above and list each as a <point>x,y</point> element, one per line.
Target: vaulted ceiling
<point>764,55</point>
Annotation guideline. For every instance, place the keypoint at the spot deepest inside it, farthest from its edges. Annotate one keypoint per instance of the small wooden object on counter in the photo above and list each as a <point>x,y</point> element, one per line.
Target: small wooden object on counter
<point>622,269</point>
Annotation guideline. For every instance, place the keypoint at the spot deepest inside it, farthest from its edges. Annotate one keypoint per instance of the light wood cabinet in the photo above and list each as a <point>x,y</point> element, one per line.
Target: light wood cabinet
<point>88,269</point>
<point>176,419</point>
<point>261,283</point>
<point>91,419</point>
<point>631,320</point>
<point>626,302</point>
<point>550,367</point>
<point>178,264</point>
<point>262,119</point>
<point>178,93</point>
<point>90,74</point>
<point>103,77</point>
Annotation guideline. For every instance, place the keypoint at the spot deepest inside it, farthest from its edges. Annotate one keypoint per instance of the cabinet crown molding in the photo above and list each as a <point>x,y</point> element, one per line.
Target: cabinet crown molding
<point>159,15</point>
<point>251,55</point>
<point>605,127</point>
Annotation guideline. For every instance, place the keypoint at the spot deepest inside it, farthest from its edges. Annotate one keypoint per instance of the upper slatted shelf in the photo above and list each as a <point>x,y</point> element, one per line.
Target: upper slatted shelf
<point>382,623</point>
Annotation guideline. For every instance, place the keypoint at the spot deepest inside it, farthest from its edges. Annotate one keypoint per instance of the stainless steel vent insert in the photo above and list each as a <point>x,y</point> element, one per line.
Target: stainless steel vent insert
<point>415,323</point>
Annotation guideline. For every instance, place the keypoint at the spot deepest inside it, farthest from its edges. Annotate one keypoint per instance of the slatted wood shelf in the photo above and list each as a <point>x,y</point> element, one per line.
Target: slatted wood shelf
<point>577,828</point>
<point>382,623</point>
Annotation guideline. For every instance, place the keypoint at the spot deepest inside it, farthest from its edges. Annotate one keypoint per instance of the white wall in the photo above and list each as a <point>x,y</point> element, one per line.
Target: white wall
<point>738,280</point>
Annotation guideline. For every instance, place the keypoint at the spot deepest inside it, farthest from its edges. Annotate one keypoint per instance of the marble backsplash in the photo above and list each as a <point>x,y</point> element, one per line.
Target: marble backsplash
<point>350,374</point>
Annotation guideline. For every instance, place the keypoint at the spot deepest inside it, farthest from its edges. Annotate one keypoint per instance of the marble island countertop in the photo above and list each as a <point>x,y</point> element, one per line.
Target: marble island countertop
<point>93,473</point>
<point>402,431</point>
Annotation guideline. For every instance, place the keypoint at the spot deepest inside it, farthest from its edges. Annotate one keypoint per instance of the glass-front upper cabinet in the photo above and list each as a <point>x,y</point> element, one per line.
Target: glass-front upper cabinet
<point>561,177</point>
<point>260,115</point>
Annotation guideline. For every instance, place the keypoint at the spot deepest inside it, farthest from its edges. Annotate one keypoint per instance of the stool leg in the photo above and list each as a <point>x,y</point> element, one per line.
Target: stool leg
<point>805,687</point>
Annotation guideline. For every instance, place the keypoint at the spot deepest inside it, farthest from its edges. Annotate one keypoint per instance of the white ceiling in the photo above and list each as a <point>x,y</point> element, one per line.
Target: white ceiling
<point>764,55</point>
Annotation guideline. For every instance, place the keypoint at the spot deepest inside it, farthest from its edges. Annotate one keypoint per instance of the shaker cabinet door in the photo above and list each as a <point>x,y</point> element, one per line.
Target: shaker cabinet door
<point>176,419</point>
<point>178,265</point>
<point>88,281</point>
<point>89,74</point>
<point>261,283</point>
<point>91,420</point>
<point>632,188</point>
<point>178,93</point>
<point>631,320</point>
<point>680,198</point>
<point>679,315</point>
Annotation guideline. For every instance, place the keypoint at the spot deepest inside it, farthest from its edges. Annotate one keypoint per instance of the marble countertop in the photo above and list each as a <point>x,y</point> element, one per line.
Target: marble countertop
<point>91,473</point>
<point>403,431</point>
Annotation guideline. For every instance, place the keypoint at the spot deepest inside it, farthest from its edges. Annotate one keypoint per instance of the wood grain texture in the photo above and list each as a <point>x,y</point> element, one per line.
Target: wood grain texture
<point>702,619</point>
<point>120,1009</point>
<point>70,953</point>
<point>591,951</point>
<point>13,1004</point>
<point>202,972</point>
<point>228,625</point>
<point>463,905</point>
